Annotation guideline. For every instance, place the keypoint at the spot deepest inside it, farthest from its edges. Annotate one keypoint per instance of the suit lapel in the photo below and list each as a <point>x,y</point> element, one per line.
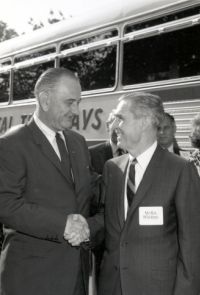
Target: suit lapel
<point>147,180</point>
<point>45,147</point>
<point>123,164</point>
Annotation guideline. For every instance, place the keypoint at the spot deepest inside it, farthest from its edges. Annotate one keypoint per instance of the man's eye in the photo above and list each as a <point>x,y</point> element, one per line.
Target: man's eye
<point>70,102</point>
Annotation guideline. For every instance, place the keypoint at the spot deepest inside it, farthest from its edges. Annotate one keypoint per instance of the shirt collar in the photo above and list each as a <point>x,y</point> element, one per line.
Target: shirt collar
<point>171,148</point>
<point>144,158</point>
<point>114,147</point>
<point>48,132</point>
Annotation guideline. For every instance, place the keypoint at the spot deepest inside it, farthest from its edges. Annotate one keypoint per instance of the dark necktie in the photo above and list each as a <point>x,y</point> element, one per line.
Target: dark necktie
<point>119,152</point>
<point>131,182</point>
<point>65,161</point>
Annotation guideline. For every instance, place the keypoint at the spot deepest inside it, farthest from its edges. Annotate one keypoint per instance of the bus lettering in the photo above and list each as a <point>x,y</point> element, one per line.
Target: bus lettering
<point>98,119</point>
<point>25,118</point>
<point>86,118</point>
<point>5,123</point>
<point>76,122</point>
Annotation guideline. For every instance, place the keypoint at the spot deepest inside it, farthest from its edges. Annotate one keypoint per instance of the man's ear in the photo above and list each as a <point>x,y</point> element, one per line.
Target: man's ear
<point>145,122</point>
<point>44,100</point>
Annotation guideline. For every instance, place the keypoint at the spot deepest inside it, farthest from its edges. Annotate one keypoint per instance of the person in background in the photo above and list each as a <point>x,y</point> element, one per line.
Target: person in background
<point>44,180</point>
<point>99,154</point>
<point>1,237</point>
<point>104,151</point>
<point>150,209</point>
<point>166,134</point>
<point>195,142</point>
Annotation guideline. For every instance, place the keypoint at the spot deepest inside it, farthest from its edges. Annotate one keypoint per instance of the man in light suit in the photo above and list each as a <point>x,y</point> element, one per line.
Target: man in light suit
<point>39,194</point>
<point>151,216</point>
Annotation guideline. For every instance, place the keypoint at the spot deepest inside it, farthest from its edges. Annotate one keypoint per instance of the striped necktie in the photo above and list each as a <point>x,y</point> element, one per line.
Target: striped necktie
<point>131,182</point>
<point>65,160</point>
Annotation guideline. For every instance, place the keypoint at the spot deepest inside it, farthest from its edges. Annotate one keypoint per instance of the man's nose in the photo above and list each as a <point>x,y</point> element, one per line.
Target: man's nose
<point>160,131</point>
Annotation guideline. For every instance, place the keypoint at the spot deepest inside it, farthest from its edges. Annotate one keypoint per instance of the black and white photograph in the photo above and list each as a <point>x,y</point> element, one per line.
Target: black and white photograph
<point>100,147</point>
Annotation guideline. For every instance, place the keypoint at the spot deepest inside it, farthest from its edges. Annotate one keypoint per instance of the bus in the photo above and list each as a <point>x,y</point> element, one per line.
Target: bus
<point>140,45</point>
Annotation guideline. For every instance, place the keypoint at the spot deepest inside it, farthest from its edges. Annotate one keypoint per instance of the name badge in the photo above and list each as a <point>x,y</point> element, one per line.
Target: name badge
<point>151,215</point>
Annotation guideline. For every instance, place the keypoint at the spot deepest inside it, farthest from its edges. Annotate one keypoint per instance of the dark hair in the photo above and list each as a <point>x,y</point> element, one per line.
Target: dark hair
<point>146,104</point>
<point>49,79</point>
<point>170,117</point>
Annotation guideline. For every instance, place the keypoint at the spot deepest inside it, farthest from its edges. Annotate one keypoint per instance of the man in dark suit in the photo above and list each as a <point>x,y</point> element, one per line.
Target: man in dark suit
<point>166,134</point>
<point>44,179</point>
<point>151,210</point>
<point>104,151</point>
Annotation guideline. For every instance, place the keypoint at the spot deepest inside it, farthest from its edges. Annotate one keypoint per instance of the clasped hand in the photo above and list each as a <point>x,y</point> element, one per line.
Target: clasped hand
<point>76,230</point>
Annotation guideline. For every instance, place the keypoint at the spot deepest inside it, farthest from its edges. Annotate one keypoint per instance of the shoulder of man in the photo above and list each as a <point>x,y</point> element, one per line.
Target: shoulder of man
<point>181,152</point>
<point>14,131</point>
<point>118,161</point>
<point>99,146</point>
<point>75,135</point>
<point>184,154</point>
<point>175,162</point>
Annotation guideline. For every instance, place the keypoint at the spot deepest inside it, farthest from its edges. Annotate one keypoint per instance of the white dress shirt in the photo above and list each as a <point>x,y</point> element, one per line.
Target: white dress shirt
<point>49,134</point>
<point>140,168</point>
<point>171,148</point>
<point>114,148</point>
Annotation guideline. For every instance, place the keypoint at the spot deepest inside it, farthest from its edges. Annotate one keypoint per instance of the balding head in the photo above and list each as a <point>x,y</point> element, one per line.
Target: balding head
<point>145,104</point>
<point>58,93</point>
<point>49,79</point>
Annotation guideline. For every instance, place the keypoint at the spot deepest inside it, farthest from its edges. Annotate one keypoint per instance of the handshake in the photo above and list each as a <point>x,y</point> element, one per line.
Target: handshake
<point>76,230</point>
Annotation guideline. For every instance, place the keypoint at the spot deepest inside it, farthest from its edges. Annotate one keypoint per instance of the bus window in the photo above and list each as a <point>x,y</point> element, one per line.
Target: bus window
<point>93,38</point>
<point>35,54</point>
<point>164,56</point>
<point>25,79</point>
<point>4,80</point>
<point>163,19</point>
<point>96,68</point>
<point>4,86</point>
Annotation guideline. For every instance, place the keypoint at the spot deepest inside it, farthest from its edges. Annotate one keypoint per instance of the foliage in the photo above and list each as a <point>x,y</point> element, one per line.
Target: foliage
<point>8,33</point>
<point>5,32</point>
<point>53,18</point>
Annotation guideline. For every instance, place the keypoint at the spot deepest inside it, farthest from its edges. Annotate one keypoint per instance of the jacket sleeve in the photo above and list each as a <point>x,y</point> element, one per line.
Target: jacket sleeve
<point>188,215</point>
<point>16,211</point>
<point>96,222</point>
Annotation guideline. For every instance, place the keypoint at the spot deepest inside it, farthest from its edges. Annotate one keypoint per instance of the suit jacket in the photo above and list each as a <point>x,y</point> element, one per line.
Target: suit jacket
<point>100,153</point>
<point>152,259</point>
<point>35,199</point>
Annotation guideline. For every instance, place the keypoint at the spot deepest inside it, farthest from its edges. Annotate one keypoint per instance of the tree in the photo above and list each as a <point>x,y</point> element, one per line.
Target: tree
<point>53,18</point>
<point>6,33</point>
